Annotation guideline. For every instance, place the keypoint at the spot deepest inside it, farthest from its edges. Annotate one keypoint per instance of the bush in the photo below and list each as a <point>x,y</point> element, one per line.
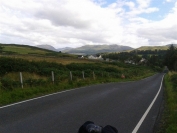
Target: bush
<point>174,81</point>
<point>35,82</point>
<point>174,78</point>
<point>8,84</point>
<point>21,65</point>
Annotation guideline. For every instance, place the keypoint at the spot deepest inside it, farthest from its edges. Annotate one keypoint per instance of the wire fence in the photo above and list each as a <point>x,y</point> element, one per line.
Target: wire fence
<point>21,80</point>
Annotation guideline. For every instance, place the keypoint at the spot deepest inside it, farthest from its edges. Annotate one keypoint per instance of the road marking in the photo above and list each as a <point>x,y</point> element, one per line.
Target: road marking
<point>147,111</point>
<point>37,98</point>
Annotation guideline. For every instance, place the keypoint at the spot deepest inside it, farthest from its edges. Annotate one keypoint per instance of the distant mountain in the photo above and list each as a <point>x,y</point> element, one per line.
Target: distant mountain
<point>63,49</point>
<point>48,47</point>
<point>94,49</point>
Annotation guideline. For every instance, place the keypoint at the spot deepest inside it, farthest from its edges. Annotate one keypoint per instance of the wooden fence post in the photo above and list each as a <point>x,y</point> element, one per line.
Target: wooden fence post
<point>83,74</point>
<point>53,79</point>
<point>71,76</point>
<point>21,79</point>
<point>93,75</point>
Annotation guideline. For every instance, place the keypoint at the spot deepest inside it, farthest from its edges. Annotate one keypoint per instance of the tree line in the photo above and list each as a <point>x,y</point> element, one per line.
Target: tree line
<point>158,58</point>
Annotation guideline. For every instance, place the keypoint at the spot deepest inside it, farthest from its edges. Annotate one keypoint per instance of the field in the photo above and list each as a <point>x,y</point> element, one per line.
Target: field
<point>62,60</point>
<point>37,65</point>
<point>37,77</point>
<point>13,49</point>
<point>22,49</point>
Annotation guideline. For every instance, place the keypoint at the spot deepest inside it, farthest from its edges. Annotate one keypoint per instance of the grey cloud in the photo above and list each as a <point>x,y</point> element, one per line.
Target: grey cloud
<point>157,35</point>
<point>63,17</point>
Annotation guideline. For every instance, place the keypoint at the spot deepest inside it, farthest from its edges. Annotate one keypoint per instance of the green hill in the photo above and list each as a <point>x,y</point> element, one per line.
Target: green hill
<point>38,54</point>
<point>23,49</point>
<point>17,49</point>
<point>153,48</point>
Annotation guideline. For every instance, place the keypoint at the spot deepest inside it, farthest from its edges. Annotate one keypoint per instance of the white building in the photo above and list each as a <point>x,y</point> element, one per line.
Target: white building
<point>94,57</point>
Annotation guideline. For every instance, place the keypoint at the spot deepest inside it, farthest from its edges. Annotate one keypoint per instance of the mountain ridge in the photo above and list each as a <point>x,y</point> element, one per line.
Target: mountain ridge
<point>94,49</point>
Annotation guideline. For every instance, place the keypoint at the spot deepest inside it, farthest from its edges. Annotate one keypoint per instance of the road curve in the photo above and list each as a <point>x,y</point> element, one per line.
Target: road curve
<point>118,104</point>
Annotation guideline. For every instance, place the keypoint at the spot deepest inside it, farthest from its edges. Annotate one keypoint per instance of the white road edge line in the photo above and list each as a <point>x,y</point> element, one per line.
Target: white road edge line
<point>36,98</point>
<point>147,111</point>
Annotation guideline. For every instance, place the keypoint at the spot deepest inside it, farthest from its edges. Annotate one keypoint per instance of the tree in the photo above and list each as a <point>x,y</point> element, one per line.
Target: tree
<point>171,58</point>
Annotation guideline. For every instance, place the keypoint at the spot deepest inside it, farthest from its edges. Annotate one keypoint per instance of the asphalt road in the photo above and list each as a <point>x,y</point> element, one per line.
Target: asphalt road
<point>121,105</point>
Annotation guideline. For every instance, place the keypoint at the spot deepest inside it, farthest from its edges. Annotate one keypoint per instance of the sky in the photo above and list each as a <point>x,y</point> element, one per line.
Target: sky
<point>74,23</point>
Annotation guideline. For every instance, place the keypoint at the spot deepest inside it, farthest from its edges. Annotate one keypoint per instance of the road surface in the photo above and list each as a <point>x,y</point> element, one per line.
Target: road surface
<point>121,105</point>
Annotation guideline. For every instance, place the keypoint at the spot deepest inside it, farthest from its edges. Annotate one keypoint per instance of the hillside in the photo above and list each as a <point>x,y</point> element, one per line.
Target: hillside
<point>17,49</point>
<point>94,49</point>
<point>37,54</point>
<point>23,49</point>
<point>48,47</point>
<point>155,47</point>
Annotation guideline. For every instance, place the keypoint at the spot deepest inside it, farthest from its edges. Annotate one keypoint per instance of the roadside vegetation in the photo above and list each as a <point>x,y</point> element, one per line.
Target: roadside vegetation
<point>168,123</point>
<point>38,80</point>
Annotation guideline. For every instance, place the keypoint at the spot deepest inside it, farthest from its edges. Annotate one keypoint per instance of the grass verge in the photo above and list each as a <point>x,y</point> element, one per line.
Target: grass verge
<point>168,122</point>
<point>19,94</point>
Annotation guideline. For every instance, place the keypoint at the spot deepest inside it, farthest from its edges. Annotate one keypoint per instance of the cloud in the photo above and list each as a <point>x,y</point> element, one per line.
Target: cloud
<point>78,22</point>
<point>143,3</point>
<point>64,15</point>
<point>170,0</point>
<point>161,32</point>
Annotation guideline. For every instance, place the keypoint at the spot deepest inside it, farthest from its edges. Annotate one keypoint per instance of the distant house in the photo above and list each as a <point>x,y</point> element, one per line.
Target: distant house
<point>94,57</point>
<point>143,61</point>
<point>81,57</point>
<point>100,57</point>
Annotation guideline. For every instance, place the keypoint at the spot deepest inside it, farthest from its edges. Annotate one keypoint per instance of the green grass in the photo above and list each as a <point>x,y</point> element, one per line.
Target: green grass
<point>23,49</point>
<point>61,60</point>
<point>19,94</point>
<point>168,123</point>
